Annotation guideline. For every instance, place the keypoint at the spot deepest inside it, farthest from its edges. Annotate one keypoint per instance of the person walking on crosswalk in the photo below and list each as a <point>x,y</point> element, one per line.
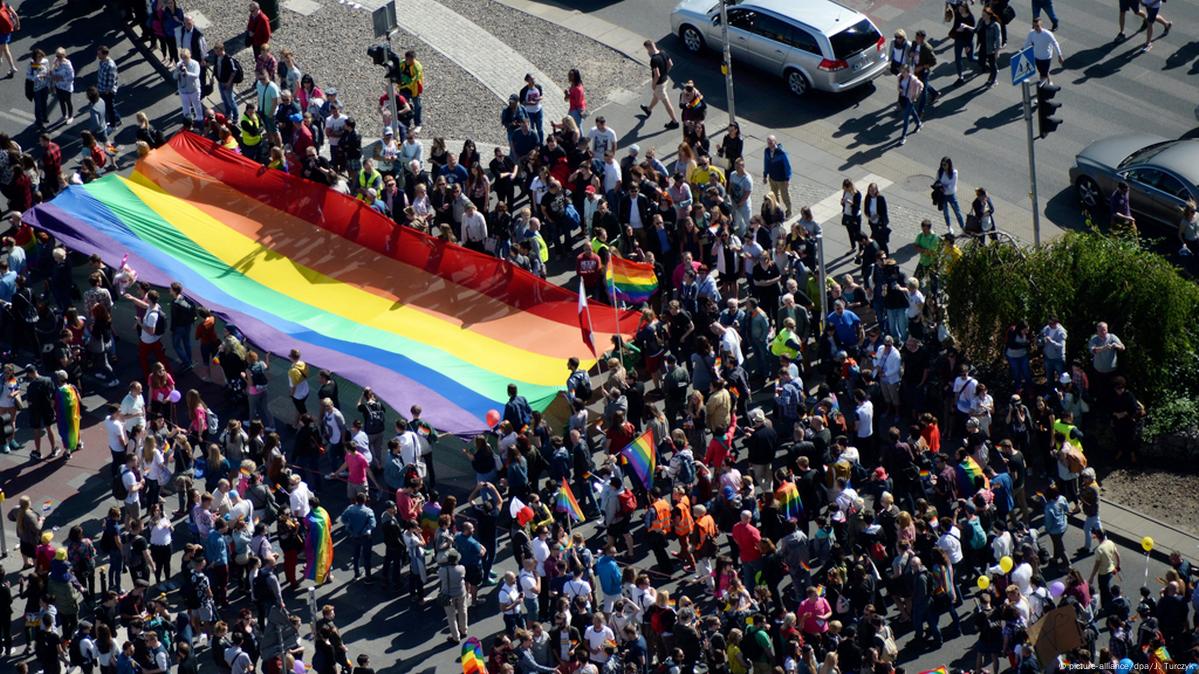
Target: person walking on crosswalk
<point>1044,48</point>
<point>1152,16</point>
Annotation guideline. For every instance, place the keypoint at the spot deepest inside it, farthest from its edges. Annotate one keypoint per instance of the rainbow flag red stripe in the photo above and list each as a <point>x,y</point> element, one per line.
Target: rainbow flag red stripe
<point>940,670</point>
<point>787,498</point>
<point>429,514</point>
<point>567,503</point>
<point>640,455</point>
<point>632,282</point>
<point>472,657</point>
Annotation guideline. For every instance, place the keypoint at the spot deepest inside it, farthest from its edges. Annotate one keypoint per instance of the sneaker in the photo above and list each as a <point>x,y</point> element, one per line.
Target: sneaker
<point>70,120</point>
<point>417,128</point>
<point>1169,25</point>
<point>917,129</point>
<point>1120,37</point>
<point>671,125</point>
<point>1053,27</point>
<point>645,109</point>
<point>903,141</point>
<point>1146,47</point>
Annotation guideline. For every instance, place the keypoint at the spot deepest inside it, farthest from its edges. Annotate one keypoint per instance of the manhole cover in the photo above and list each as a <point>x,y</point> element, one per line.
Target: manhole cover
<point>918,181</point>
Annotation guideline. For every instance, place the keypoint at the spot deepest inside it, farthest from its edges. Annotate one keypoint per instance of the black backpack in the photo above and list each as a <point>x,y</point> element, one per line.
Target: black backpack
<point>583,389</point>
<point>160,325</point>
<point>185,311</point>
<point>262,591</point>
<point>749,646</point>
<point>239,74</point>
<point>75,653</point>
<point>119,492</point>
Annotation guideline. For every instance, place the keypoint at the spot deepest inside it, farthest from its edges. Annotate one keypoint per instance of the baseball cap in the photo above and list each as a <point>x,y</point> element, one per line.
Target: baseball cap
<point>513,97</point>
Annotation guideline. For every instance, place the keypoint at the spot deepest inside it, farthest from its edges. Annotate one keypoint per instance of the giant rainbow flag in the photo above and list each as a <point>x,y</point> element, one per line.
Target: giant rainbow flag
<point>295,264</point>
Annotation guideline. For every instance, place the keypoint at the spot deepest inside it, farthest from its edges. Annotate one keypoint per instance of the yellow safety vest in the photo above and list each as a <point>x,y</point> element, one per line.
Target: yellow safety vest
<point>251,139</point>
<point>365,181</point>
<point>543,252</point>
<point>779,346</point>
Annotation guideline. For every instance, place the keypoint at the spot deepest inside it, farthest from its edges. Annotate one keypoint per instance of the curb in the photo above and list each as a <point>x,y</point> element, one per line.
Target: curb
<point>620,40</point>
<point>1132,540</point>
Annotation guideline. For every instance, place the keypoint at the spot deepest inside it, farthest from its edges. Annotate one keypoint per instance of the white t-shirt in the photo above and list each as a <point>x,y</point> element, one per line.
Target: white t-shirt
<point>541,552</point>
<point>865,412</point>
<point>333,128</point>
<point>601,141</point>
<point>129,479</point>
<point>510,594</point>
<point>963,391</point>
<point>133,408</point>
<point>149,322</point>
<point>595,642</point>
<point>116,435</point>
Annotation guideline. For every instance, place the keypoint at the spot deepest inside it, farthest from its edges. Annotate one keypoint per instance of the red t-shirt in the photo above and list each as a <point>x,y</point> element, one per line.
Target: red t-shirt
<point>356,466</point>
<point>590,268</point>
<point>747,537</point>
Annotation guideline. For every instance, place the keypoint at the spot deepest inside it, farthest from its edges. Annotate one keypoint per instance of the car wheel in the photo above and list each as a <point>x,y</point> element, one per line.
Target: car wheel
<point>692,40</point>
<point>797,83</point>
<point>1088,192</point>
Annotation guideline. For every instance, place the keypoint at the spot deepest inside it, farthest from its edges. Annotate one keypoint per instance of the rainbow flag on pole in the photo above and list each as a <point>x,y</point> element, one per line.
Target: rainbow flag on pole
<point>631,282</point>
<point>318,545</point>
<point>472,657</point>
<point>640,455</point>
<point>970,470</point>
<point>567,503</point>
<point>787,498</point>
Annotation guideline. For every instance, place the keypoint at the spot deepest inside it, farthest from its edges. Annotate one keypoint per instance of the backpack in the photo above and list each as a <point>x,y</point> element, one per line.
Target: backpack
<point>749,646</point>
<point>258,374</point>
<point>191,593</point>
<point>75,653</point>
<point>261,590</point>
<point>628,502</point>
<point>686,474</point>
<point>239,74</point>
<point>160,325</point>
<point>583,388</point>
<point>572,215</point>
<point>214,422</point>
<point>119,492</point>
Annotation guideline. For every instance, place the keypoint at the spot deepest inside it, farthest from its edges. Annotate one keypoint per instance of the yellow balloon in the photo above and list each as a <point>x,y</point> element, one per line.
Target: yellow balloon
<point>984,582</point>
<point>1006,564</point>
<point>1147,544</point>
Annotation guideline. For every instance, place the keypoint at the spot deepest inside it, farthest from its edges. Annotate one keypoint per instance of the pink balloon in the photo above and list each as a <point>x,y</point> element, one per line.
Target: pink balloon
<point>174,396</point>
<point>493,418</point>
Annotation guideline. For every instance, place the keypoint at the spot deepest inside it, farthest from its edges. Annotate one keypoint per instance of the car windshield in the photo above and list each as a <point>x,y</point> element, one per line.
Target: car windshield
<point>1144,154</point>
<point>854,39</point>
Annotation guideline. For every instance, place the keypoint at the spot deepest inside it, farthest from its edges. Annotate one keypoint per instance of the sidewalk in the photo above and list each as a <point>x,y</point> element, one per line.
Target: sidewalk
<point>1128,527</point>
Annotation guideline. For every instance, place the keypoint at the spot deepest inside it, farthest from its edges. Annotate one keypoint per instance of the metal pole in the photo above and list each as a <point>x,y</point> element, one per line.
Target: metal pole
<point>821,278</point>
<point>391,97</point>
<point>1032,164</point>
<point>727,66</point>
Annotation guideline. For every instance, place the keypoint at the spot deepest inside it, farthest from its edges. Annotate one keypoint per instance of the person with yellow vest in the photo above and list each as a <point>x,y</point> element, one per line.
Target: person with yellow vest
<point>658,526</point>
<point>703,542</point>
<point>786,342</point>
<point>683,523</point>
<point>251,132</point>
<point>412,85</point>
<point>539,252</point>
<point>367,178</point>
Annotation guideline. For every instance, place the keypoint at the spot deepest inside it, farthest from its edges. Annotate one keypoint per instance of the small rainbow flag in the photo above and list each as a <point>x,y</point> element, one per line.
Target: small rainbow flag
<point>940,670</point>
<point>640,455</point>
<point>47,505</point>
<point>472,657</point>
<point>567,503</point>
<point>924,474</point>
<point>429,514</point>
<point>971,470</point>
<point>805,566</point>
<point>787,497</point>
<point>66,408</point>
<point>632,282</point>
<point>318,545</point>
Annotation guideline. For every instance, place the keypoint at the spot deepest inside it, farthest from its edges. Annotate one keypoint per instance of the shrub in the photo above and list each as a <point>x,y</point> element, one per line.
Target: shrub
<point>1082,278</point>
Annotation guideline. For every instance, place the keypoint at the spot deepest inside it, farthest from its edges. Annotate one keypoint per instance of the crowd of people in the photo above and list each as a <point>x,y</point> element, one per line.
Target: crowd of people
<point>827,480</point>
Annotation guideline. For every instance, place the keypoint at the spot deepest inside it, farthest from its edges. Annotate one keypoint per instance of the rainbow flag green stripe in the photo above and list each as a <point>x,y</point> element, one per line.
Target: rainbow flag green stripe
<point>632,282</point>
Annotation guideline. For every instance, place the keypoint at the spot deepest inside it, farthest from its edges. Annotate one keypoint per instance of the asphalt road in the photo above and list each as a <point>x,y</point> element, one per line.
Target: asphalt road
<point>1107,88</point>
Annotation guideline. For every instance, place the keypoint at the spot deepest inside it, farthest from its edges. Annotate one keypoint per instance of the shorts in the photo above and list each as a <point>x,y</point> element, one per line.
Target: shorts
<point>269,124</point>
<point>619,528</point>
<point>301,404</point>
<point>28,549</point>
<point>41,417</point>
<point>1151,13</point>
<point>474,574</point>
<point>660,91</point>
<point>1043,66</point>
<point>5,38</point>
<point>1129,5</point>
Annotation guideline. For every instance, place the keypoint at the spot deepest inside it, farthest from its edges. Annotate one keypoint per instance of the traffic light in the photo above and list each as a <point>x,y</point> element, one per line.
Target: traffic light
<point>1046,106</point>
<point>383,55</point>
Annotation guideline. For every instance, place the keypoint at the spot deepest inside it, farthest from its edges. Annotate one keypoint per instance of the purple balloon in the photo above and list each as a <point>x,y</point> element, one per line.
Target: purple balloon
<point>174,396</point>
<point>1057,588</point>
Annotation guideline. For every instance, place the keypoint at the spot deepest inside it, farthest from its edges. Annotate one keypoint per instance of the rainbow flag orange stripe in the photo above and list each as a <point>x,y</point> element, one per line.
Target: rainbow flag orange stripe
<point>940,670</point>
<point>472,657</point>
<point>567,503</point>
<point>787,498</point>
<point>641,456</point>
<point>631,282</point>
<point>318,545</point>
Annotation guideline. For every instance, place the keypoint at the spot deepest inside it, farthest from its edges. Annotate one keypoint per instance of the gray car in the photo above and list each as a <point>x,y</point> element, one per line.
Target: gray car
<point>1162,175</point>
<point>811,44</point>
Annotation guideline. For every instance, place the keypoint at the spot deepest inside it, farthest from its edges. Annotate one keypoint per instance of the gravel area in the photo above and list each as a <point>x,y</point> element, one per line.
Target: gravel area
<point>554,50</point>
<point>1165,495</point>
<point>331,46</point>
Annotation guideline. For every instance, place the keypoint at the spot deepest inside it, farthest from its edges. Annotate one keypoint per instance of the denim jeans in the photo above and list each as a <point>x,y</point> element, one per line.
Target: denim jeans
<point>910,111</point>
<point>229,100</point>
<point>110,108</point>
<point>952,200</point>
<point>41,105</point>
<point>116,564</point>
<point>361,553</point>
<point>1091,524</point>
<point>1021,373</point>
<point>535,123</point>
<point>577,116</point>
<point>1046,6</point>
<point>259,408</point>
<point>897,324</point>
<point>922,613</point>
<point>1054,367</point>
<point>960,46</point>
<point>181,342</point>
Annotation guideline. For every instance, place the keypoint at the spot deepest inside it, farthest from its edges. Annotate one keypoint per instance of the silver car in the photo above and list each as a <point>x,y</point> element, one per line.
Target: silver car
<point>812,44</point>
<point>1162,175</point>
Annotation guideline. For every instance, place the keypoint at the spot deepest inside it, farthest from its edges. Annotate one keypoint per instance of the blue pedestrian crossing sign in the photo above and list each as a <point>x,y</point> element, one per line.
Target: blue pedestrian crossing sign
<point>1023,65</point>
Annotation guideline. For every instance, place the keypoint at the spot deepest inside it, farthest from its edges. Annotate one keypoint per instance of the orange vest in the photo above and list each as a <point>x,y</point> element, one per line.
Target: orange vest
<point>661,521</point>
<point>683,522</point>
<point>705,528</point>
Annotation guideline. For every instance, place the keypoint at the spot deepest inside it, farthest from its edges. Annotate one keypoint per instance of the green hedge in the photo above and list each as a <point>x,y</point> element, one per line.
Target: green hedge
<point>1082,278</point>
